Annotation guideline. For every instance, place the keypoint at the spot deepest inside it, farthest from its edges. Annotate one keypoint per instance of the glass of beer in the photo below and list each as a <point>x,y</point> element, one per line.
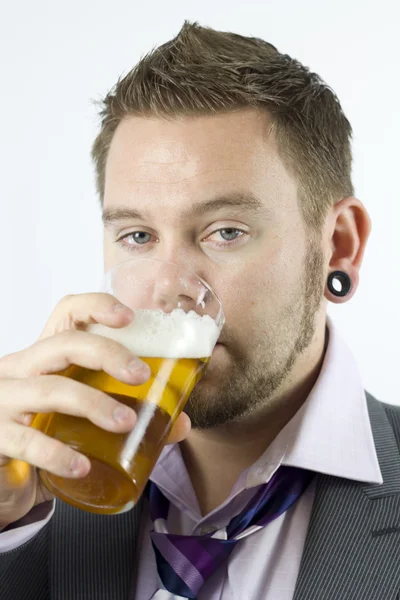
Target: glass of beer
<point>177,322</point>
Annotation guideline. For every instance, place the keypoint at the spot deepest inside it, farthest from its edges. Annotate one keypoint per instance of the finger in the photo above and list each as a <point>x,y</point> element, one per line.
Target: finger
<point>35,448</point>
<point>180,430</point>
<point>78,311</point>
<point>51,393</point>
<point>95,352</point>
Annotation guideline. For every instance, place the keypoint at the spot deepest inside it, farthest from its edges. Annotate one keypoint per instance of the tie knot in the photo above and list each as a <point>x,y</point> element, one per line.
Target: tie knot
<point>185,562</point>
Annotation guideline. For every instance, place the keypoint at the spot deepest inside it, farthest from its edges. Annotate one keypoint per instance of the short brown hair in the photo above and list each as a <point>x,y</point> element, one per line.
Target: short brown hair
<point>202,72</point>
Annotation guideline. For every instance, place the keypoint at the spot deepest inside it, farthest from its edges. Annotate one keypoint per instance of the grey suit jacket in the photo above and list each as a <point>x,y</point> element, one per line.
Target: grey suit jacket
<point>352,549</point>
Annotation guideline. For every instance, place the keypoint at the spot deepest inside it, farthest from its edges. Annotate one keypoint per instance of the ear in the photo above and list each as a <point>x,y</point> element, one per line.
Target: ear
<point>349,228</point>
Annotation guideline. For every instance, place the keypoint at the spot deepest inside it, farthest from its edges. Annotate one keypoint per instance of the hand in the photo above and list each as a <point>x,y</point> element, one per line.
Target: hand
<point>24,392</point>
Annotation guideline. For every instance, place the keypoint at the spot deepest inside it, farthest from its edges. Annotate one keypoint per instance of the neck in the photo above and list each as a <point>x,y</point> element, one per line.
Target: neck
<point>238,445</point>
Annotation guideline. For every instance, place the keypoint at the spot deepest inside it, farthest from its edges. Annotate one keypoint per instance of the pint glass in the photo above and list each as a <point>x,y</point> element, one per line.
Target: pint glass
<point>177,321</point>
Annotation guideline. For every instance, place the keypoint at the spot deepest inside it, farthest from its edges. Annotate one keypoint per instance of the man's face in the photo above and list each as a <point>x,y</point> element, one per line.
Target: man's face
<point>253,249</point>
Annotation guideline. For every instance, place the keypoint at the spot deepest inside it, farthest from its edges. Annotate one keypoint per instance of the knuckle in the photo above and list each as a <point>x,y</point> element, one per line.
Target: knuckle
<point>51,454</point>
<point>7,362</point>
<point>66,300</point>
<point>15,365</point>
<point>44,386</point>
<point>57,392</point>
<point>93,401</point>
<point>21,439</point>
<point>108,348</point>
<point>68,340</point>
<point>90,299</point>
<point>104,299</point>
<point>8,357</point>
<point>8,440</point>
<point>115,349</point>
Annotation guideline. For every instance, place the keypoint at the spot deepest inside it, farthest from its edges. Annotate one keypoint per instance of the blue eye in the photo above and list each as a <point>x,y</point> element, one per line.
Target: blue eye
<point>138,237</point>
<point>141,237</point>
<point>228,237</point>
<point>230,232</point>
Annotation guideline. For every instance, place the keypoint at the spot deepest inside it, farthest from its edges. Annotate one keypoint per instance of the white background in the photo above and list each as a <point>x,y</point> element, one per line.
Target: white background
<point>57,56</point>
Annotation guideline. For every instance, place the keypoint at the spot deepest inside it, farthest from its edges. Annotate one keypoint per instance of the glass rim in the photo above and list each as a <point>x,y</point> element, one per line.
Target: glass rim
<point>221,314</point>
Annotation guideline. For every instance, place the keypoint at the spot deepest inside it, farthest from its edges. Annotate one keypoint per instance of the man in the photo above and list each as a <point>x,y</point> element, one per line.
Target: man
<point>224,155</point>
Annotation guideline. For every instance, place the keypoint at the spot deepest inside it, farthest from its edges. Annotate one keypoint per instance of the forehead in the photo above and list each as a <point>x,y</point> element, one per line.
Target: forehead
<point>194,156</point>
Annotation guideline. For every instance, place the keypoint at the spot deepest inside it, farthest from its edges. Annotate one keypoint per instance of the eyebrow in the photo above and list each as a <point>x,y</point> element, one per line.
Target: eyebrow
<point>246,201</point>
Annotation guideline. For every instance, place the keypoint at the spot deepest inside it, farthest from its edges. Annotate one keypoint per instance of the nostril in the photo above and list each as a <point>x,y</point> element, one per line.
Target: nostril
<point>185,302</point>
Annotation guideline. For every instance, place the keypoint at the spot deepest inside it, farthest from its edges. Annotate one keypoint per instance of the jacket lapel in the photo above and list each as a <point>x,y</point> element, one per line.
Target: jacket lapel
<point>92,557</point>
<point>352,549</point>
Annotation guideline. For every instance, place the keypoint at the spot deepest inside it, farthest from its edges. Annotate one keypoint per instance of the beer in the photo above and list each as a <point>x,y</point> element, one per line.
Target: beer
<point>177,347</point>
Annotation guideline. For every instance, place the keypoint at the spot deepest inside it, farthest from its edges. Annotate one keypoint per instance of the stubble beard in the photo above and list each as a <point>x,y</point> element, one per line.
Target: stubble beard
<point>251,381</point>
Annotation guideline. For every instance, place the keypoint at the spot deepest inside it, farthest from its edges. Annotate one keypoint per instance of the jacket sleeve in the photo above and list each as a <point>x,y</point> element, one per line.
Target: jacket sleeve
<point>24,569</point>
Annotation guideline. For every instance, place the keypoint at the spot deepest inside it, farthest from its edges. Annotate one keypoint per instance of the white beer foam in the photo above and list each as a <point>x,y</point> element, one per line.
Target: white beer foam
<point>154,333</point>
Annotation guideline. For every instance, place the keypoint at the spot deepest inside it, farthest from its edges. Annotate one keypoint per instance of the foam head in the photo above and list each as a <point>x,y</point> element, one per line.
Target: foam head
<point>154,333</point>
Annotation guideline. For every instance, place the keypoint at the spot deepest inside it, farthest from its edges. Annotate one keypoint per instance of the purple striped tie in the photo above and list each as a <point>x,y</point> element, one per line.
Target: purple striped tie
<point>184,562</point>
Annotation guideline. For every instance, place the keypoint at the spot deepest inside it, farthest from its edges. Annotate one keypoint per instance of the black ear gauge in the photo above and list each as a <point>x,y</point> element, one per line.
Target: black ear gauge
<point>339,283</point>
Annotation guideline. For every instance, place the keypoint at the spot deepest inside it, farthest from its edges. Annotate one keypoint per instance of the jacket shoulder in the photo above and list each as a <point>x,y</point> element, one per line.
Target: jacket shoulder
<point>392,412</point>
<point>395,408</point>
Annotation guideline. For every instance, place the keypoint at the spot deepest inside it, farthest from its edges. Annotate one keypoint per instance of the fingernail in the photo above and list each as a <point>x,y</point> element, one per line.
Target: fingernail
<point>136,366</point>
<point>117,308</point>
<point>78,464</point>
<point>121,413</point>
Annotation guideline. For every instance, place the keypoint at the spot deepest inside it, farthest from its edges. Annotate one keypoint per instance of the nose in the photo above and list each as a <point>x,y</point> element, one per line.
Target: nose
<point>156,284</point>
<point>176,287</point>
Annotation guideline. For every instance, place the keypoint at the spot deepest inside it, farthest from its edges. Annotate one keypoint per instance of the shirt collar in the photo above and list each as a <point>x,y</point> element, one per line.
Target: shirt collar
<point>331,432</point>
